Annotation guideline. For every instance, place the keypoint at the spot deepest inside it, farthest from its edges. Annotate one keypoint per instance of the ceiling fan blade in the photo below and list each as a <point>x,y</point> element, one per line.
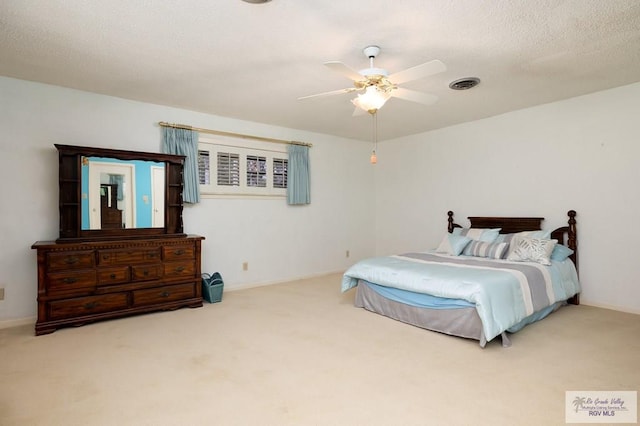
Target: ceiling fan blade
<point>341,68</point>
<point>417,72</point>
<point>333,92</point>
<point>414,96</point>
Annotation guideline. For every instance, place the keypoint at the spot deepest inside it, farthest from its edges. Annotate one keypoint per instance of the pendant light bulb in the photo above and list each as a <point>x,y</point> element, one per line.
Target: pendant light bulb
<point>374,116</point>
<point>374,158</point>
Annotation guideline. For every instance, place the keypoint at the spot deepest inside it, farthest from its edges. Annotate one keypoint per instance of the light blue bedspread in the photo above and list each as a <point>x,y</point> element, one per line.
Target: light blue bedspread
<point>503,292</point>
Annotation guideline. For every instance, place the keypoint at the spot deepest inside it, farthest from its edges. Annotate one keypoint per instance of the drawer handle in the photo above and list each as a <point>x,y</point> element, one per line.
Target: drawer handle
<point>105,257</point>
<point>180,252</point>
<point>180,269</point>
<point>152,255</point>
<point>112,276</point>
<point>145,272</point>
<point>165,294</point>
<point>90,305</point>
<point>71,260</point>
<point>69,280</point>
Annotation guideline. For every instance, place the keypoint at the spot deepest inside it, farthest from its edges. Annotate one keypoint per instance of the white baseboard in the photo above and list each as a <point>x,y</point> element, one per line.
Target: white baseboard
<point>610,307</point>
<point>17,322</point>
<point>282,281</point>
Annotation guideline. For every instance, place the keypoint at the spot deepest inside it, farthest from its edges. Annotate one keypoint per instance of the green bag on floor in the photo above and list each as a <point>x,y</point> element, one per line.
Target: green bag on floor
<point>212,286</point>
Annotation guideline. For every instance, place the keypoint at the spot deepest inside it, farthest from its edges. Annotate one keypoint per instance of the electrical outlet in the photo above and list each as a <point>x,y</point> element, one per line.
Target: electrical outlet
<point>245,266</point>
<point>347,253</point>
<point>1,293</point>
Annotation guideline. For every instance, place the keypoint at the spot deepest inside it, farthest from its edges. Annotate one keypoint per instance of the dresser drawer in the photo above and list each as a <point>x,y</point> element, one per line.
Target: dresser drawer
<point>178,252</point>
<point>146,272</point>
<point>163,294</point>
<point>82,306</point>
<point>71,280</point>
<point>127,256</point>
<point>109,276</point>
<point>70,260</point>
<point>179,269</point>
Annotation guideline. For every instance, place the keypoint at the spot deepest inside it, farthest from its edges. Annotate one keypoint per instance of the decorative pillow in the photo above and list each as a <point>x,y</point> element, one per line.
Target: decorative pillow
<point>478,234</point>
<point>533,250</point>
<point>453,244</point>
<point>514,239</point>
<point>561,252</point>
<point>482,249</point>
<point>506,238</point>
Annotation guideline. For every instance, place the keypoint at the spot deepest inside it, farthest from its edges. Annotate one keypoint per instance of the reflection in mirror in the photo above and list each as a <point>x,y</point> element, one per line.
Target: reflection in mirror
<point>122,194</point>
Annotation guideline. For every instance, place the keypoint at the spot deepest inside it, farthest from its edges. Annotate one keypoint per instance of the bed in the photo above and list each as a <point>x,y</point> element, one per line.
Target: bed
<point>508,273</point>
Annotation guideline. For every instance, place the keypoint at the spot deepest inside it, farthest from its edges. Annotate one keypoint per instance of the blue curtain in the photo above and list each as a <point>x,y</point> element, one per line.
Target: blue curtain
<point>184,142</point>
<point>298,187</point>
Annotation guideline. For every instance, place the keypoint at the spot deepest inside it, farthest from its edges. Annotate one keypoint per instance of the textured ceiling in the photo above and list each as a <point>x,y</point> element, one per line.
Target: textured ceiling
<point>252,62</point>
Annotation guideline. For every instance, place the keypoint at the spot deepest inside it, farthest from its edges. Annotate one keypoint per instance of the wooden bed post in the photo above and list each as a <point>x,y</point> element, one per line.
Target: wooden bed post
<point>572,243</point>
<point>450,220</point>
<point>572,237</point>
<point>573,232</point>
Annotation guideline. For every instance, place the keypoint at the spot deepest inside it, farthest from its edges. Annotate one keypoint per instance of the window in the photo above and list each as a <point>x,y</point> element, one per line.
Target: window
<point>256,171</point>
<point>228,166</point>
<point>280,172</point>
<point>228,169</point>
<point>203,168</point>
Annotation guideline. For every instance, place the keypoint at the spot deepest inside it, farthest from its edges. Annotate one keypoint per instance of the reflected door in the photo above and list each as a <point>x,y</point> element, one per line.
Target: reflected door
<point>110,214</point>
<point>101,174</point>
<point>157,197</point>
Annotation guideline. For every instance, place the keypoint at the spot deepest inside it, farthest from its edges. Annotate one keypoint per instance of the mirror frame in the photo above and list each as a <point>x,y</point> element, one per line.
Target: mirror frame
<point>70,194</point>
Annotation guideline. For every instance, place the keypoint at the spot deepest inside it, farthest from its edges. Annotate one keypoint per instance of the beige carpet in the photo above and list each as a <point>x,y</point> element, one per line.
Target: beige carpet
<point>299,353</point>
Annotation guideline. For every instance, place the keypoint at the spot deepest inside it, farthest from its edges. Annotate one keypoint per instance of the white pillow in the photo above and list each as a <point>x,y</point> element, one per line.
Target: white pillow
<point>533,250</point>
<point>453,244</point>
<point>488,235</point>
<point>514,239</point>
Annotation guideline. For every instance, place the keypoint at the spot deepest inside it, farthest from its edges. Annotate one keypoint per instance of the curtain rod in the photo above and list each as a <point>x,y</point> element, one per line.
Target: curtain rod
<point>237,135</point>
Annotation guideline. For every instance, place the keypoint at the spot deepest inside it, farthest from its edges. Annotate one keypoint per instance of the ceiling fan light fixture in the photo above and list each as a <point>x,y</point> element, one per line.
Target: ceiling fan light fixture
<point>371,100</point>
<point>378,86</point>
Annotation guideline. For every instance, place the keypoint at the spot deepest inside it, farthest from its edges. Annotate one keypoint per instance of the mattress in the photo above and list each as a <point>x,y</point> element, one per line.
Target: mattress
<point>505,295</point>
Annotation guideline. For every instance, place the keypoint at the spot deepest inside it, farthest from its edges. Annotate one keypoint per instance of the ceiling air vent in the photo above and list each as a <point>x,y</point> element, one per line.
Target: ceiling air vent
<point>464,83</point>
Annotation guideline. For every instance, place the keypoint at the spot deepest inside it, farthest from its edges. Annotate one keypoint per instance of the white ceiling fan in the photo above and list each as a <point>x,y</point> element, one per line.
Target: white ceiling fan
<point>377,86</point>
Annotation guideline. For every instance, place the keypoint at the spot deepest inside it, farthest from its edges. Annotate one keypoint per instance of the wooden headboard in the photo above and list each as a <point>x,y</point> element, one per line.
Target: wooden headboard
<point>509,225</point>
<point>566,235</point>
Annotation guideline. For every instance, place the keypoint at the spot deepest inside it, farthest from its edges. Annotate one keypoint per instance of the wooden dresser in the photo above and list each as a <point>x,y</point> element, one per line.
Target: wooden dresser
<point>82,282</point>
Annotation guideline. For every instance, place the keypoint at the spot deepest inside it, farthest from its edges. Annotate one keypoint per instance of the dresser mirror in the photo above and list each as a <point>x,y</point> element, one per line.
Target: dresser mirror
<point>107,193</point>
<point>122,194</point>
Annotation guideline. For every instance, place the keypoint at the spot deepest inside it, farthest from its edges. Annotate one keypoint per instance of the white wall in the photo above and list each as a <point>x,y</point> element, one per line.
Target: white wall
<point>581,154</point>
<point>577,154</point>
<point>279,242</point>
